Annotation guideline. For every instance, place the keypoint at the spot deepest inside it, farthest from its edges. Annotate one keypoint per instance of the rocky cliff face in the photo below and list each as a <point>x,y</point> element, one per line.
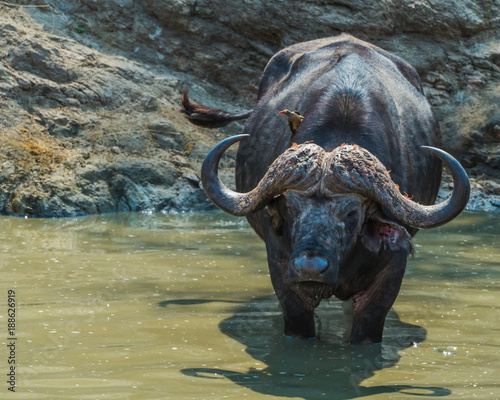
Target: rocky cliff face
<point>89,90</point>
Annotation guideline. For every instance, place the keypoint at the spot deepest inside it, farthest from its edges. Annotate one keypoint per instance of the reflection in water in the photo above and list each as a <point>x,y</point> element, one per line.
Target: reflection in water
<point>314,369</point>
<point>153,306</point>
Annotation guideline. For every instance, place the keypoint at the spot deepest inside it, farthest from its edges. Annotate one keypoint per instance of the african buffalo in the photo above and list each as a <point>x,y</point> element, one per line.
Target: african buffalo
<point>337,199</point>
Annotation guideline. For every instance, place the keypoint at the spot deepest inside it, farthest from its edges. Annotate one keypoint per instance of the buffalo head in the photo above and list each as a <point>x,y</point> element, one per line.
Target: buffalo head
<point>328,200</point>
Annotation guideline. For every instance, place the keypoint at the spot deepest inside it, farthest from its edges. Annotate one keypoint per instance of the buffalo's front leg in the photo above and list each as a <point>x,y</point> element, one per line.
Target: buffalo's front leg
<point>298,314</point>
<point>371,305</point>
<point>299,320</point>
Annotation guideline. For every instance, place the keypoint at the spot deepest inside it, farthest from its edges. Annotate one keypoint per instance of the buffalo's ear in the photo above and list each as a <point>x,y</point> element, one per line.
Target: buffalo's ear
<point>379,233</point>
<point>276,217</point>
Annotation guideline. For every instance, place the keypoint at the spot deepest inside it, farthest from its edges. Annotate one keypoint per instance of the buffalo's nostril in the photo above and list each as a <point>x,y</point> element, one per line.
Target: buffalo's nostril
<point>310,265</point>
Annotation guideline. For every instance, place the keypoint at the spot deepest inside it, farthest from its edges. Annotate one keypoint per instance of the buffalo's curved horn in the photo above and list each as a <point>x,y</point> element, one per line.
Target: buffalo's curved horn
<point>354,169</point>
<point>298,168</point>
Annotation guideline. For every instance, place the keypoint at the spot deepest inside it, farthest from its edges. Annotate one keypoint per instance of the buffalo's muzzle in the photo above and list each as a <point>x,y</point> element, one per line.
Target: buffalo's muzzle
<point>312,268</point>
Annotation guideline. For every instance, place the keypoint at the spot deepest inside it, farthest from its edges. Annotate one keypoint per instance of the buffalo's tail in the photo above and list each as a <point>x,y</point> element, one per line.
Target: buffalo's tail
<point>207,117</point>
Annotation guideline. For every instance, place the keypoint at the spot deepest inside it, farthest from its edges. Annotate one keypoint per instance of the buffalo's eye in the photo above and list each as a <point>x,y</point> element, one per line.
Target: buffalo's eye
<point>351,217</point>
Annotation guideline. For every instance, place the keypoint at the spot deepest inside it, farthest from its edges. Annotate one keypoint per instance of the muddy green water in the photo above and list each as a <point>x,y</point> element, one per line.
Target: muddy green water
<point>138,306</point>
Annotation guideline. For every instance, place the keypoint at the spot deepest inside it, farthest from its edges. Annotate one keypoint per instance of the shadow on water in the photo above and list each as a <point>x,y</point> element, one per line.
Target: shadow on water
<point>192,302</point>
<point>312,369</point>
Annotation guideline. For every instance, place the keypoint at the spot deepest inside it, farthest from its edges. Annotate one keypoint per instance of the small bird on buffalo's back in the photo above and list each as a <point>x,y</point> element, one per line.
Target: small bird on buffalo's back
<point>294,119</point>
